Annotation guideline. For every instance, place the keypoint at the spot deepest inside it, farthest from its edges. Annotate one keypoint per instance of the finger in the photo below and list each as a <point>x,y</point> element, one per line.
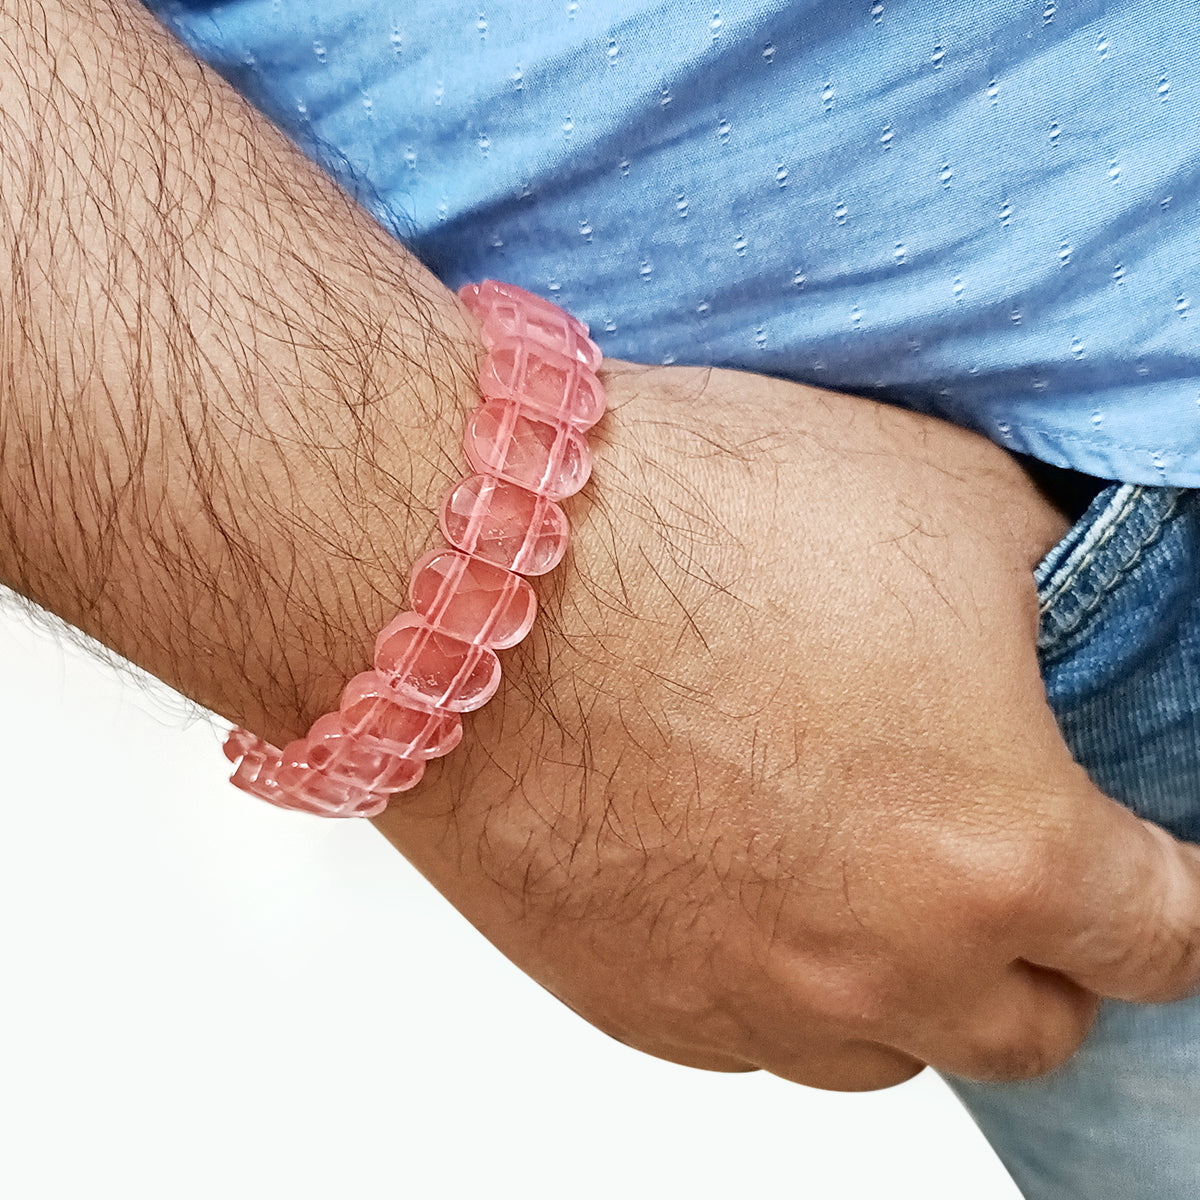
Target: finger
<point>1031,1021</point>
<point>1120,910</point>
<point>850,1066</point>
<point>826,1063</point>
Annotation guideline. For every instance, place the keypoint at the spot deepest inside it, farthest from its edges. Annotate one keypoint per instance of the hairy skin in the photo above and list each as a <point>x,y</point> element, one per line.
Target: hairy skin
<point>772,784</point>
<point>229,400</point>
<point>776,783</point>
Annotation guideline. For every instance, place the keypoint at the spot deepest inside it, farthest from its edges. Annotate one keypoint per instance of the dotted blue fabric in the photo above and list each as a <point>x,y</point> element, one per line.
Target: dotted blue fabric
<point>987,211</point>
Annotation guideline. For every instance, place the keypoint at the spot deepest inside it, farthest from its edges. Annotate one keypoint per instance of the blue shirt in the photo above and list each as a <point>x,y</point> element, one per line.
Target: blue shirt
<point>988,211</point>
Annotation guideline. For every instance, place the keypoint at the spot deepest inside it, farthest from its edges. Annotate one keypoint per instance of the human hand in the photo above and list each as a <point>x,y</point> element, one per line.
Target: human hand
<point>774,783</point>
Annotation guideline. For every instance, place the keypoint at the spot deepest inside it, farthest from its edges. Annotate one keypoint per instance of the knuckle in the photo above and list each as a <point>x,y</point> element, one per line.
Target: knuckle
<point>855,1001</point>
<point>1007,1059</point>
<point>1175,948</point>
<point>1019,876</point>
<point>1028,1050</point>
<point>856,1069</point>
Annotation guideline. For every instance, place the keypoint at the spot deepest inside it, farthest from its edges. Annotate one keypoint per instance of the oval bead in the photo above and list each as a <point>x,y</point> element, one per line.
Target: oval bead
<point>541,379</point>
<point>366,762</point>
<point>507,311</point>
<point>472,599</point>
<point>505,524</point>
<point>489,294</point>
<point>434,669</point>
<point>371,709</point>
<point>304,788</point>
<point>527,449</point>
<point>257,761</point>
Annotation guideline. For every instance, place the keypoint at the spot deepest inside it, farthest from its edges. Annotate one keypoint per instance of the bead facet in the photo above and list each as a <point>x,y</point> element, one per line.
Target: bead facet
<point>256,762</point>
<point>293,785</point>
<point>538,378</point>
<point>371,708</point>
<point>472,599</point>
<point>505,524</point>
<point>527,449</point>
<point>507,311</point>
<point>433,669</point>
<point>306,788</point>
<point>358,760</point>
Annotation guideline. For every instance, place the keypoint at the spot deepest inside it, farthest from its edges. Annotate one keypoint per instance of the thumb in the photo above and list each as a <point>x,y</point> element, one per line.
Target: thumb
<point>1119,912</point>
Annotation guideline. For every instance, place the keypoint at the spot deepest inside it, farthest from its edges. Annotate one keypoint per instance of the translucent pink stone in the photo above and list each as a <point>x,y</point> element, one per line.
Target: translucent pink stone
<point>256,762</point>
<point>432,668</point>
<point>505,524</point>
<point>307,788</point>
<point>472,599</point>
<point>360,761</point>
<point>371,709</point>
<point>527,449</point>
<point>263,773</point>
<point>507,311</point>
<point>538,378</point>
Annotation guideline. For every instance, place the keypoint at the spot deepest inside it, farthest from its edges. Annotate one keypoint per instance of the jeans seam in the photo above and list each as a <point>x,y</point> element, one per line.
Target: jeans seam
<point>1070,576</point>
<point>1144,544</point>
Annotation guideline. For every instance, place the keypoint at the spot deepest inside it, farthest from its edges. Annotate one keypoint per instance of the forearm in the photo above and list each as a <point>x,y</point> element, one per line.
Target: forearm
<point>228,400</point>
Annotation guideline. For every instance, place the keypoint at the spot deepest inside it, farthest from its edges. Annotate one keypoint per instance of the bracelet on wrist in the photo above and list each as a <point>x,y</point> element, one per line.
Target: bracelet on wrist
<point>525,444</point>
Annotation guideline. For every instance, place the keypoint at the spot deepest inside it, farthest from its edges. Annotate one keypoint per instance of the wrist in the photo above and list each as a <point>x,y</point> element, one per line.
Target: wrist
<point>342,500</point>
<point>526,449</point>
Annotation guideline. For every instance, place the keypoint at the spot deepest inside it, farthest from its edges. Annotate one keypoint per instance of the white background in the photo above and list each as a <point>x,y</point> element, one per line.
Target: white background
<point>205,997</point>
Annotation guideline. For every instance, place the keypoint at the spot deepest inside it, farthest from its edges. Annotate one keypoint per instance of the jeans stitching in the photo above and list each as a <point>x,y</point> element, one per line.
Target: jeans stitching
<point>1075,571</point>
<point>1152,535</point>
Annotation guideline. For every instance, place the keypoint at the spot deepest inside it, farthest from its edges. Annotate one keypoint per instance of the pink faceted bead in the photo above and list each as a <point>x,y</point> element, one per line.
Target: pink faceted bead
<point>472,599</point>
<point>307,788</point>
<point>432,668</point>
<point>507,311</point>
<point>371,709</point>
<point>263,773</point>
<point>360,761</point>
<point>256,762</point>
<point>505,524</point>
<point>542,379</point>
<point>527,449</point>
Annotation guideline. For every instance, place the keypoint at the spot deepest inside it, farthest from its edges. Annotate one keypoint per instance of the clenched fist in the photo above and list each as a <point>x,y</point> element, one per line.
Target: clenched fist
<point>774,782</point>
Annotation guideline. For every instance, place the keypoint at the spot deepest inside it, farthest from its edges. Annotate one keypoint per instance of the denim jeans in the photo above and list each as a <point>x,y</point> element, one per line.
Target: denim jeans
<point>1120,654</point>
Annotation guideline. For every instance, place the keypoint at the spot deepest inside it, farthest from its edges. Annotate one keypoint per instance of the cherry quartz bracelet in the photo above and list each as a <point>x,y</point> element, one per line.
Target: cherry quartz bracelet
<point>526,444</point>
